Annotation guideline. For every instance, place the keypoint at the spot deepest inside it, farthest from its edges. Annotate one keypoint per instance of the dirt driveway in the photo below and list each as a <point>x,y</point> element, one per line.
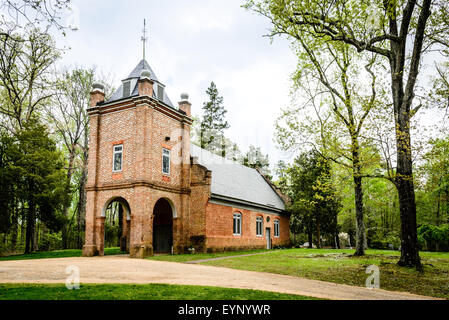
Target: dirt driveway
<point>122,269</point>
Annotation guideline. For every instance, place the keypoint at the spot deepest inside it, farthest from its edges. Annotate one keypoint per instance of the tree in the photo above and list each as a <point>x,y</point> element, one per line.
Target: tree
<point>398,31</point>
<point>34,13</point>
<point>8,190</point>
<point>41,186</point>
<point>213,123</point>
<point>233,151</point>
<point>436,175</point>
<point>282,178</point>
<point>344,104</point>
<point>315,204</point>
<point>254,158</point>
<point>25,75</point>
<point>67,114</point>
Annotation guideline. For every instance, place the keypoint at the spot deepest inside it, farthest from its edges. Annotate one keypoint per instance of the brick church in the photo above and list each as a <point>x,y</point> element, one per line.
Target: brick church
<point>173,195</point>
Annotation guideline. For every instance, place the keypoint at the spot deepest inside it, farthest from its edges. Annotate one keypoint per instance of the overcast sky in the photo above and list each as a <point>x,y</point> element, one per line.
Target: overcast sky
<point>190,44</point>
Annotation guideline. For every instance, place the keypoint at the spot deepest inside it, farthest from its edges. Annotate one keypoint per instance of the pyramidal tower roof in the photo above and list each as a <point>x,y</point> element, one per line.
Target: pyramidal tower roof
<point>142,65</point>
<point>132,79</point>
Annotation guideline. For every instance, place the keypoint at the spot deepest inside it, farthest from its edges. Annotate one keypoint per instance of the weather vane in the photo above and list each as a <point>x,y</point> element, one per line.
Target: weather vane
<point>144,37</point>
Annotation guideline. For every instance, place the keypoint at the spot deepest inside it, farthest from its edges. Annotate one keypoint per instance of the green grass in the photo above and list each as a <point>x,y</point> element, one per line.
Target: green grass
<point>340,266</point>
<point>200,256</point>
<point>135,292</point>
<point>332,265</point>
<point>56,254</point>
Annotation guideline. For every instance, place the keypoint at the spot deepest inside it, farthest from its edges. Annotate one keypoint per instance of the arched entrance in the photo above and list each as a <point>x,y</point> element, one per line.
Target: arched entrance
<point>117,224</point>
<point>162,227</point>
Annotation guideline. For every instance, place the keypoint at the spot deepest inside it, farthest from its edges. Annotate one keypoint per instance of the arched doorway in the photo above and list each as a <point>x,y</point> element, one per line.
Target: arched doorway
<point>162,227</point>
<point>117,224</point>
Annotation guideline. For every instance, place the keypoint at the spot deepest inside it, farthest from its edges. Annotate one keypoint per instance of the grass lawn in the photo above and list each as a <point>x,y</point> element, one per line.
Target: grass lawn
<point>340,267</point>
<point>135,292</point>
<point>200,256</point>
<point>56,254</point>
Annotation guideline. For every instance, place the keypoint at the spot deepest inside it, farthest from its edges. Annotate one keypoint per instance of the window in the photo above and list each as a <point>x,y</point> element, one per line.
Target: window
<point>160,93</point>
<point>126,88</point>
<point>259,226</point>
<point>117,158</point>
<point>237,229</point>
<point>276,228</point>
<point>165,161</point>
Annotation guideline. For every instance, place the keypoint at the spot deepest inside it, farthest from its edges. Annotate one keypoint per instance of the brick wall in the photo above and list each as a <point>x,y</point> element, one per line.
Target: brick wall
<point>219,229</point>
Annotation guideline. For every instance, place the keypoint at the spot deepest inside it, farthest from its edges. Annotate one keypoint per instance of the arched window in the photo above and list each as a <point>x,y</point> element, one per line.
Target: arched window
<point>276,228</point>
<point>237,225</point>
<point>259,226</point>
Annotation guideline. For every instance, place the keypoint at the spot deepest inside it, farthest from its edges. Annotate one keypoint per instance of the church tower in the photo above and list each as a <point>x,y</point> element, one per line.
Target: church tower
<point>139,160</point>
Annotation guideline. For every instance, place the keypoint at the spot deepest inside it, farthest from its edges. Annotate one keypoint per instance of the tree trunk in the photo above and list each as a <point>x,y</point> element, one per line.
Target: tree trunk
<point>404,182</point>
<point>65,227</point>
<point>36,237</point>
<point>318,235</point>
<point>336,244</point>
<point>81,213</point>
<point>14,226</point>
<point>438,204</point>
<point>337,241</point>
<point>29,236</point>
<point>407,208</point>
<point>402,103</point>
<point>358,193</point>
<point>360,223</point>
<point>310,237</point>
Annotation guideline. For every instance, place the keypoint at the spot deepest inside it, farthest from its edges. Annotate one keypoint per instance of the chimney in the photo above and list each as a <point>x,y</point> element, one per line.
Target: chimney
<point>185,105</point>
<point>97,94</point>
<point>145,84</point>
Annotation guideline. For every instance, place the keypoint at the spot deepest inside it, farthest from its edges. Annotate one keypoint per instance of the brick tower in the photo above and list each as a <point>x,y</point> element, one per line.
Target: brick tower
<point>139,156</point>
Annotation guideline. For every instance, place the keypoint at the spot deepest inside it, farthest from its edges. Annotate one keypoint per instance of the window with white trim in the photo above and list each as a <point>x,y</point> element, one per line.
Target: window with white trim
<point>165,161</point>
<point>237,225</point>
<point>276,228</point>
<point>259,226</point>
<point>117,158</point>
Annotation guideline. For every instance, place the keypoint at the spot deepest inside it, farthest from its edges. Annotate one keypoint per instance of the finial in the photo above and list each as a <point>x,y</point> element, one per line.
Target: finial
<point>97,86</point>
<point>144,37</point>
<point>145,73</point>
<point>184,97</point>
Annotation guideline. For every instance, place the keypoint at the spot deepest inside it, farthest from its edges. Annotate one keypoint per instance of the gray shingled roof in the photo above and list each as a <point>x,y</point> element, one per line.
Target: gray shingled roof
<point>236,181</point>
<point>135,74</point>
<point>142,65</point>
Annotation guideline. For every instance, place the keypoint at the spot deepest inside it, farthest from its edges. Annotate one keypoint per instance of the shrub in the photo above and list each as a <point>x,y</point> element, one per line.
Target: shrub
<point>388,241</point>
<point>433,238</point>
<point>50,241</point>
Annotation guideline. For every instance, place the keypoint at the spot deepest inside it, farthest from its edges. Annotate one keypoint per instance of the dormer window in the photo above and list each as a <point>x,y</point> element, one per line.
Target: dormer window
<point>160,92</point>
<point>126,88</point>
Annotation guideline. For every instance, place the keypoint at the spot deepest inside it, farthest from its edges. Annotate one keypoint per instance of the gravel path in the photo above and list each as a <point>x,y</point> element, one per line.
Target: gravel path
<point>122,269</point>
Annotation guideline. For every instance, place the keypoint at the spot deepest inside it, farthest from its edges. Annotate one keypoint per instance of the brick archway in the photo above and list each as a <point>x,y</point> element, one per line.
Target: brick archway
<point>124,223</point>
<point>163,214</point>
